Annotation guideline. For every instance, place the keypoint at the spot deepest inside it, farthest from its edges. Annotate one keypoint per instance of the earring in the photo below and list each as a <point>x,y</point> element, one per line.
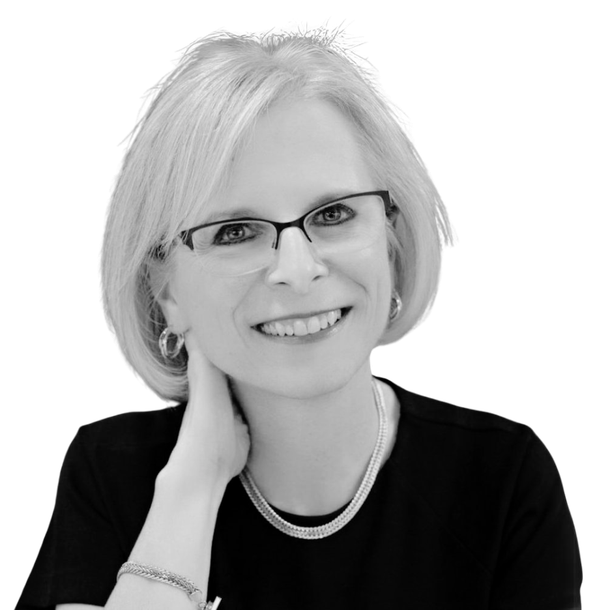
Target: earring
<point>395,306</point>
<point>170,354</point>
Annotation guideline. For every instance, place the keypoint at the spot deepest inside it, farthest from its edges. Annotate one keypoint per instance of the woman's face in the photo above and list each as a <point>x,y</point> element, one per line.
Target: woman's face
<point>302,154</point>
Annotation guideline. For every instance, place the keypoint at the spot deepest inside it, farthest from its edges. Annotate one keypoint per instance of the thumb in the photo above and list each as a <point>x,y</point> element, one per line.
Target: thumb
<point>203,376</point>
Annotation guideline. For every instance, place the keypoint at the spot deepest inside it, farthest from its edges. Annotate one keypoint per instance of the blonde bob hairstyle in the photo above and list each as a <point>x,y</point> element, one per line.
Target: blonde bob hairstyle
<point>180,155</point>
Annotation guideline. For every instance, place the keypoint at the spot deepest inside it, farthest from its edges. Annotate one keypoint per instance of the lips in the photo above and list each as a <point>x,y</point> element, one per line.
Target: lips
<point>291,326</point>
<point>302,316</point>
<point>304,330</point>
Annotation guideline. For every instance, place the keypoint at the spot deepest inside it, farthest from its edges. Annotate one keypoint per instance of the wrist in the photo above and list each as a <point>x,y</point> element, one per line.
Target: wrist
<point>176,489</point>
<point>179,528</point>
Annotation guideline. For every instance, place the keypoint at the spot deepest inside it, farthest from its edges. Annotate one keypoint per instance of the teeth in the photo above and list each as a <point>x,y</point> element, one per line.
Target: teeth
<point>313,325</point>
<point>302,326</point>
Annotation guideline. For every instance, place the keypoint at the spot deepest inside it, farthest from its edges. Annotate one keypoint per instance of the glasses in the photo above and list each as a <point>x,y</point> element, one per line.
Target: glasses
<point>244,245</point>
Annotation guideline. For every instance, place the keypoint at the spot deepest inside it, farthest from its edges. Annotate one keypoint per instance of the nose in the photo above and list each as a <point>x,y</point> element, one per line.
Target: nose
<point>295,263</point>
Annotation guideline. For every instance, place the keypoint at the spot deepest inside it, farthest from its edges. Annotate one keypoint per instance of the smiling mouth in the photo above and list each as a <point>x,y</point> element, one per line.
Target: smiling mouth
<point>301,327</point>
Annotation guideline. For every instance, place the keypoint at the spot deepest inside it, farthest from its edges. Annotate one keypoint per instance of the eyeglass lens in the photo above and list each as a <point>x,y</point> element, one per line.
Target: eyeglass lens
<point>243,246</point>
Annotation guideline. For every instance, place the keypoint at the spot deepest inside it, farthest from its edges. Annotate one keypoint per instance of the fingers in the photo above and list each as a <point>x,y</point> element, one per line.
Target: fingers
<point>213,441</point>
<point>237,409</point>
<point>202,374</point>
<point>197,361</point>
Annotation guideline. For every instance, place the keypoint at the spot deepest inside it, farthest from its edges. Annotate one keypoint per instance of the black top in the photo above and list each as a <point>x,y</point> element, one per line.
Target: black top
<point>468,512</point>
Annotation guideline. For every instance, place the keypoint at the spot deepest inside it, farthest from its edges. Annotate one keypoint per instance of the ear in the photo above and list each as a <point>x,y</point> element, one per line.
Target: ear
<point>171,310</point>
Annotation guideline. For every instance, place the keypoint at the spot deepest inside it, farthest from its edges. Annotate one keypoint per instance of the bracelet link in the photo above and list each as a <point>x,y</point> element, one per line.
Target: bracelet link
<point>202,604</point>
<point>169,578</point>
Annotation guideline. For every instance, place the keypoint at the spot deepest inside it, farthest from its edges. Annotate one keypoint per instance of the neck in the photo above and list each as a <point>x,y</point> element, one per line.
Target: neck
<point>308,455</point>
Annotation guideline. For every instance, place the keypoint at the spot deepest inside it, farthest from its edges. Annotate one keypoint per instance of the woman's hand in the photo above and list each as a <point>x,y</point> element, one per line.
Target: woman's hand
<point>213,443</point>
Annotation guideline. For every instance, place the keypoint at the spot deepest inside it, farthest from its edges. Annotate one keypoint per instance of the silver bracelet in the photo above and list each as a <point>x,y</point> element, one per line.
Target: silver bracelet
<point>169,578</point>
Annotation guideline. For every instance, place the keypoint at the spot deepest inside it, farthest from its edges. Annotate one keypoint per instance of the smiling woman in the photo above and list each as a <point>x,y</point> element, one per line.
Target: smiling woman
<point>207,150</point>
<point>272,224</point>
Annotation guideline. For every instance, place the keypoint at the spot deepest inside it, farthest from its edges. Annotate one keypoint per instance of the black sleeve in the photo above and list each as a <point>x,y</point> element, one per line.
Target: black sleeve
<point>539,564</point>
<point>80,554</point>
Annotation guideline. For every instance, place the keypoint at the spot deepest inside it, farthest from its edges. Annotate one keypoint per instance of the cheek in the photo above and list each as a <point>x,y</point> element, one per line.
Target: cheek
<point>210,305</point>
<point>371,268</point>
<point>212,325</point>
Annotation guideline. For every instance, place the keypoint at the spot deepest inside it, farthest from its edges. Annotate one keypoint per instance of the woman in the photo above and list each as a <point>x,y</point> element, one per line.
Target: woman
<point>271,225</point>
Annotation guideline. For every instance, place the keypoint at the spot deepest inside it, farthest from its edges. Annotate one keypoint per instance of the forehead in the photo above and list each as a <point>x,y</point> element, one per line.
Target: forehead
<point>300,153</point>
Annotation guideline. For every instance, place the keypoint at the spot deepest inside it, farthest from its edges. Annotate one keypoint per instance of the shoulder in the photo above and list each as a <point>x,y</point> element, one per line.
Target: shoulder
<point>123,454</point>
<point>438,413</point>
<point>119,457</point>
<point>438,440</point>
<point>138,428</point>
<point>492,484</point>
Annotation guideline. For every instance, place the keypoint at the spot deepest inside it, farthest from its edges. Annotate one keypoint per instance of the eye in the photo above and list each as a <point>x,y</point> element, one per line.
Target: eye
<point>235,233</point>
<point>334,214</point>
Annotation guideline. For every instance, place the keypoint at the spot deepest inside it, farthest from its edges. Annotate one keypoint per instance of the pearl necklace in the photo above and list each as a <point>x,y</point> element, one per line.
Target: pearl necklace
<point>322,531</point>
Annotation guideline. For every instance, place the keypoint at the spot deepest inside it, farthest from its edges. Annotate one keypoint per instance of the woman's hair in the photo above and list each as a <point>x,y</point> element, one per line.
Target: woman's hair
<point>180,156</point>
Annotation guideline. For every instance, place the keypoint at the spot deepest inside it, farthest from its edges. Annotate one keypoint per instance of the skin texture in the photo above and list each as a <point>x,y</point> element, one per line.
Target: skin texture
<point>308,404</point>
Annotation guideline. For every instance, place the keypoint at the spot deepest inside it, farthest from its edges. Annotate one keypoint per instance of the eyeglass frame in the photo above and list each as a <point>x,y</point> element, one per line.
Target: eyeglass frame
<point>391,211</point>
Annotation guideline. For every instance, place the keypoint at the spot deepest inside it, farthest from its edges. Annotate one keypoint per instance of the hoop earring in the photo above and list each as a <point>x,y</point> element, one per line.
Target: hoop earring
<point>170,354</point>
<point>395,306</point>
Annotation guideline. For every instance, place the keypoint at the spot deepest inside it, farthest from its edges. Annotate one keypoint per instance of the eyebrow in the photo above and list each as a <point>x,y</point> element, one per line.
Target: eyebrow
<point>251,213</point>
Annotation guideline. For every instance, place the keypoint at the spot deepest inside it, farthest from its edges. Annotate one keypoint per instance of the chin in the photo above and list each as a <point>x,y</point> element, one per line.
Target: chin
<point>305,381</point>
<point>301,368</point>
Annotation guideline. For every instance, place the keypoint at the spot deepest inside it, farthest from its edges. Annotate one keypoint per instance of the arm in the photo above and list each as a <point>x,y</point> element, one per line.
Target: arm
<point>176,536</point>
<point>77,607</point>
<point>539,563</point>
<point>212,448</point>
